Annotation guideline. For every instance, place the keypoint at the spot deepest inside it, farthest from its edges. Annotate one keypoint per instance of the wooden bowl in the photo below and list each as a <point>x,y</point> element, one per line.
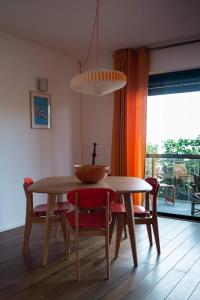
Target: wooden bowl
<point>91,173</point>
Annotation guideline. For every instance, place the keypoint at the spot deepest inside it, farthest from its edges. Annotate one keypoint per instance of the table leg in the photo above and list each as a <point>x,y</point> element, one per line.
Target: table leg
<point>131,226</point>
<point>50,211</point>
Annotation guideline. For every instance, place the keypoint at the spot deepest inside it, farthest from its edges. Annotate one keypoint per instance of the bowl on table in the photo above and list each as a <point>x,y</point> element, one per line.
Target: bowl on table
<point>91,173</point>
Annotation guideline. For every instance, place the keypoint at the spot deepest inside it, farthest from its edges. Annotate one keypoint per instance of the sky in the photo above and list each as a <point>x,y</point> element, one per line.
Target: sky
<point>173,116</point>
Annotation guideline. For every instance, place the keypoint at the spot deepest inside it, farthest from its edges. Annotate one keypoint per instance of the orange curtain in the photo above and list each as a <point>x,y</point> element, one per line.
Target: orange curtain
<point>129,120</point>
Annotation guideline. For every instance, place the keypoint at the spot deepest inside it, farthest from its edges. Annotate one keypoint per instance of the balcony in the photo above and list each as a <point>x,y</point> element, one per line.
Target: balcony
<point>175,174</point>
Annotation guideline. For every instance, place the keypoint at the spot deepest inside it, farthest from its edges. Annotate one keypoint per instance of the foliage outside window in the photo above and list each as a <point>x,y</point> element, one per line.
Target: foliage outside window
<point>181,146</point>
<point>165,169</point>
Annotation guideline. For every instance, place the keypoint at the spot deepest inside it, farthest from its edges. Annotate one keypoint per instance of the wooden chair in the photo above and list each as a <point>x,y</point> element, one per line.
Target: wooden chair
<point>37,214</point>
<point>195,198</point>
<point>119,198</point>
<point>142,215</point>
<point>91,217</point>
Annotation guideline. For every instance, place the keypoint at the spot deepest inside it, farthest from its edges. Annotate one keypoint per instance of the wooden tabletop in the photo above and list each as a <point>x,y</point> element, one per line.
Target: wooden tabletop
<point>63,184</point>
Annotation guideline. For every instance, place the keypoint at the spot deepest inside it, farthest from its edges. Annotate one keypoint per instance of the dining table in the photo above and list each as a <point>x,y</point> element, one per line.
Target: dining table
<point>59,185</point>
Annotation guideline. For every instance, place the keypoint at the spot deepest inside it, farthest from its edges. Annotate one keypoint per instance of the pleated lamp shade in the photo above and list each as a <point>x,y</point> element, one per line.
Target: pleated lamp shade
<point>98,82</point>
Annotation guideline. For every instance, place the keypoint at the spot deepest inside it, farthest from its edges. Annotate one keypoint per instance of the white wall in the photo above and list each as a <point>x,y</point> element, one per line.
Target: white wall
<point>97,121</point>
<point>175,59</point>
<point>33,152</point>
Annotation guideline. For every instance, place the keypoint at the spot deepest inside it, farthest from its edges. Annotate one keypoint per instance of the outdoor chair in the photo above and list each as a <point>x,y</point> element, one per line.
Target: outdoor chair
<point>195,198</point>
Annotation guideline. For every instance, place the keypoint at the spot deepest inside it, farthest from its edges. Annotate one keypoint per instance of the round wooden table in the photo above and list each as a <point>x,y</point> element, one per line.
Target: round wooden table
<point>62,184</point>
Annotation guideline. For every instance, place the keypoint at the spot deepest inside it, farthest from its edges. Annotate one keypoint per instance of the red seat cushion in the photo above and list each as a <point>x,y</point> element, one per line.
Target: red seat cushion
<point>40,210</point>
<point>117,207</point>
<point>91,220</point>
<point>60,207</point>
<point>139,211</point>
<point>28,180</point>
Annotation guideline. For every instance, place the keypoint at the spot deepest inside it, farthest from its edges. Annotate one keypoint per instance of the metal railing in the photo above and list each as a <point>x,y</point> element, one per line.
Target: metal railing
<point>174,169</point>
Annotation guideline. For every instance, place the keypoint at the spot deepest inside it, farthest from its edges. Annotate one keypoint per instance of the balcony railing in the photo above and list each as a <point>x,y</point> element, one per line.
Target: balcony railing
<point>174,169</point>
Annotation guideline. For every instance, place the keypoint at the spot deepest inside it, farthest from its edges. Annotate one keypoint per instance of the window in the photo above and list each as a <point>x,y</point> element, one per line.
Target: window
<point>173,137</point>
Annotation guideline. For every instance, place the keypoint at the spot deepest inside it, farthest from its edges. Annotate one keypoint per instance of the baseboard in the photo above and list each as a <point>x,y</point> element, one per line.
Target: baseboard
<point>5,228</point>
<point>179,217</point>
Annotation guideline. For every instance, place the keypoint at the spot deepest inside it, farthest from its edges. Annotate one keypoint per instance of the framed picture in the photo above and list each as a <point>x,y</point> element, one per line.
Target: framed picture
<point>40,106</point>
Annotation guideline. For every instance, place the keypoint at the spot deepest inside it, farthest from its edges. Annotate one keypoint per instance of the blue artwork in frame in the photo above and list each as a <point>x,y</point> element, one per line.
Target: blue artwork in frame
<point>40,110</point>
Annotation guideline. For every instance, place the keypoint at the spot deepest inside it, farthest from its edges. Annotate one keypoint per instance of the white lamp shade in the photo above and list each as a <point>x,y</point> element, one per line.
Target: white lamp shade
<point>98,82</point>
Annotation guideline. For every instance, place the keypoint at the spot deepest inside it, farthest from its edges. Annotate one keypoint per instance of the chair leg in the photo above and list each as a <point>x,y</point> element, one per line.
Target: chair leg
<point>112,225</point>
<point>59,199</point>
<point>156,235</point>
<point>108,254</point>
<point>67,242</point>
<point>125,229</point>
<point>77,257</point>
<point>149,234</point>
<point>120,226</point>
<point>57,231</point>
<point>64,231</point>
<point>125,232</point>
<point>192,208</point>
<point>27,233</point>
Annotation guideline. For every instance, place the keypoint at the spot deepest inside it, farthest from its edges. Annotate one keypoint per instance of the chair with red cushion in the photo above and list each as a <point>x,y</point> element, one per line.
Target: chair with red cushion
<point>91,217</point>
<point>37,214</point>
<point>142,215</point>
<point>119,198</point>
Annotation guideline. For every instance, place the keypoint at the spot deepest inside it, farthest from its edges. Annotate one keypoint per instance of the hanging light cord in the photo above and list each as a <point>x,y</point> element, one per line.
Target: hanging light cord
<point>95,26</point>
<point>82,65</point>
<point>97,22</point>
<point>81,121</point>
<point>97,82</point>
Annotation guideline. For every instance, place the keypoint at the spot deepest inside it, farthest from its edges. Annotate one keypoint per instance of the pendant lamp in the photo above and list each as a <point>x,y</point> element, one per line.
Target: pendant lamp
<point>97,82</point>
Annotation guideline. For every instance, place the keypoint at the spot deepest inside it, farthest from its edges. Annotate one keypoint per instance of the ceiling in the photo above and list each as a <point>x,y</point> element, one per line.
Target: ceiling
<point>66,25</point>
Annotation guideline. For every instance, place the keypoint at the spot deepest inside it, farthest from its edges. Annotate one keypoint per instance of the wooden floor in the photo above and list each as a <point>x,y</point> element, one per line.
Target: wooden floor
<point>175,274</point>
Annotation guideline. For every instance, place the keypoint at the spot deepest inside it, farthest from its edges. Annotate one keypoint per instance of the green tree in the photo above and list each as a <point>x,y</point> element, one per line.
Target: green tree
<point>152,148</point>
<point>182,146</point>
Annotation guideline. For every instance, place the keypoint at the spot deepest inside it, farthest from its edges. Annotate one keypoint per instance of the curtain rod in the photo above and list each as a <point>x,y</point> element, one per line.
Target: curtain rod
<point>175,45</point>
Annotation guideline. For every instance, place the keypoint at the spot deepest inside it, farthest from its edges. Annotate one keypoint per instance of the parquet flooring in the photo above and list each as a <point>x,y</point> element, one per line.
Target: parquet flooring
<point>175,274</point>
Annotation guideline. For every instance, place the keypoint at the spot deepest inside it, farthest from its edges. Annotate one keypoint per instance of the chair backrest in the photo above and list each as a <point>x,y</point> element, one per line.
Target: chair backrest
<point>154,192</point>
<point>180,170</point>
<point>91,197</point>
<point>197,182</point>
<point>29,196</point>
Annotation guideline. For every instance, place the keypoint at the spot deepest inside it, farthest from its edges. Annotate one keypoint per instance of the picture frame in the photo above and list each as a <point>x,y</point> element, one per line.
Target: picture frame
<point>40,110</point>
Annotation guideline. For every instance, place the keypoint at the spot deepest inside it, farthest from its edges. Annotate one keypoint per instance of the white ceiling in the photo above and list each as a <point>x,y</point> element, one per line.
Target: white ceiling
<point>66,25</point>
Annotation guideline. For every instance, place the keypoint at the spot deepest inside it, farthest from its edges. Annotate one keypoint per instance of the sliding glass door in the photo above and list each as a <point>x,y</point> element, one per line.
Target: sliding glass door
<point>173,148</point>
